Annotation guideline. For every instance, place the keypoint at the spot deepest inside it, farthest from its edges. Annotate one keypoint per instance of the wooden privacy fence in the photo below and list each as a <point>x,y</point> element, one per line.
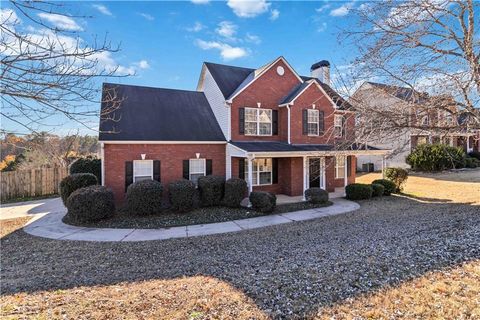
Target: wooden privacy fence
<point>31,183</point>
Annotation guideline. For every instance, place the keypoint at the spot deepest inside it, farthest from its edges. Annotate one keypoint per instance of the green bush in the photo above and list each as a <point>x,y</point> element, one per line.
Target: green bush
<point>75,181</point>
<point>316,195</point>
<point>87,165</point>
<point>474,154</point>
<point>471,162</point>
<point>436,157</point>
<point>90,204</point>
<point>211,189</point>
<point>358,191</point>
<point>398,176</point>
<point>263,201</point>
<point>235,191</point>
<point>144,198</point>
<point>389,186</point>
<point>182,195</point>
<point>378,190</point>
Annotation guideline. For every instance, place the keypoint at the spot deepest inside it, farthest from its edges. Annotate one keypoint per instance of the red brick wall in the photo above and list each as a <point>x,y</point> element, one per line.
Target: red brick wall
<point>340,183</point>
<point>170,155</point>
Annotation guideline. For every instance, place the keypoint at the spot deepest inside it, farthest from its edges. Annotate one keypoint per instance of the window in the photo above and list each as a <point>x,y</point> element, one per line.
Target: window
<point>262,171</point>
<point>338,126</point>
<point>422,140</point>
<point>258,122</point>
<point>313,122</point>
<point>425,121</point>
<point>448,117</point>
<point>142,170</point>
<point>197,169</point>
<point>339,167</point>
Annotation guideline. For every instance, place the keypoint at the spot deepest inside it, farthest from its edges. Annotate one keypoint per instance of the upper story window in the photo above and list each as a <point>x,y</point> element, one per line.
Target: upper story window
<point>339,167</point>
<point>338,126</point>
<point>261,173</point>
<point>258,122</point>
<point>424,121</point>
<point>448,117</point>
<point>313,122</point>
<point>142,170</point>
<point>197,169</point>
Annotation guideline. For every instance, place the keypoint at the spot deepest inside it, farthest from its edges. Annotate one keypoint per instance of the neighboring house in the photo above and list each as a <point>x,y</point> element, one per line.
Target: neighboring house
<point>279,131</point>
<point>420,115</point>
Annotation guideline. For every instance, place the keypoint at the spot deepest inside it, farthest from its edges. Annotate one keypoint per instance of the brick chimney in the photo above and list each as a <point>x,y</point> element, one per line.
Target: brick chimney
<point>321,71</point>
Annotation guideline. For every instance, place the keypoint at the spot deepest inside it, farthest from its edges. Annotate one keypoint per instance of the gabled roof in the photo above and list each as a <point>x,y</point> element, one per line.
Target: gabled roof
<point>296,91</point>
<point>228,78</point>
<point>403,93</point>
<point>156,114</point>
<point>337,99</point>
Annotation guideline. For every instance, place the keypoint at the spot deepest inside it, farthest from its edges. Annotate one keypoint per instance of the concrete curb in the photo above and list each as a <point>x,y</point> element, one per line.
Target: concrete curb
<point>50,226</point>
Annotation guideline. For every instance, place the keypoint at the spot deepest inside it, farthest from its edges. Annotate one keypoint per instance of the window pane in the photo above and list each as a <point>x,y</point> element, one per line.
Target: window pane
<point>265,116</point>
<point>250,114</point>
<point>194,177</point>
<point>265,177</point>
<point>313,115</point>
<point>265,128</point>
<point>141,178</point>
<point>313,128</point>
<point>340,161</point>
<point>197,166</point>
<point>143,168</point>
<point>251,128</point>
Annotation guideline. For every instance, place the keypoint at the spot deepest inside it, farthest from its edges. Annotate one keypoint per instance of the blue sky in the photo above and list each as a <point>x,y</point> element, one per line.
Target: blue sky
<point>165,43</point>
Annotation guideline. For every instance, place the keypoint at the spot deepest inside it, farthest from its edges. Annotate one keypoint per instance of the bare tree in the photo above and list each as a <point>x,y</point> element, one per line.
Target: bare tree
<point>48,70</point>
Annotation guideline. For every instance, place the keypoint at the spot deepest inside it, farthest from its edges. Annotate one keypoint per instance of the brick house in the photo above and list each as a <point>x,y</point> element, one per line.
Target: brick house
<point>280,131</point>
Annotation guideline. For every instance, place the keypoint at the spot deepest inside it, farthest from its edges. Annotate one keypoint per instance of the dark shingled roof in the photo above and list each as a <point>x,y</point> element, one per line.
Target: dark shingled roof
<point>278,146</point>
<point>406,94</point>
<point>294,93</point>
<point>341,103</point>
<point>155,114</point>
<point>228,78</point>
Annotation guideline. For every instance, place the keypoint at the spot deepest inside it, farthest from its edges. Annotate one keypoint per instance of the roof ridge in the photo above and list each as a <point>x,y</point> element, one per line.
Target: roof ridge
<point>227,65</point>
<point>150,87</point>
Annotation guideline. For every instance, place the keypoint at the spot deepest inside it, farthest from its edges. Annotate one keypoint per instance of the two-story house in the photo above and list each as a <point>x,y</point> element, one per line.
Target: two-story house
<point>280,131</point>
<point>410,118</point>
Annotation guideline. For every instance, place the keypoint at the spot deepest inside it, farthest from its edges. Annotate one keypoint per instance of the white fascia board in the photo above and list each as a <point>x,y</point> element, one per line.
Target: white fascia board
<point>201,78</point>
<point>235,151</point>
<point>317,153</point>
<point>263,72</point>
<point>161,142</point>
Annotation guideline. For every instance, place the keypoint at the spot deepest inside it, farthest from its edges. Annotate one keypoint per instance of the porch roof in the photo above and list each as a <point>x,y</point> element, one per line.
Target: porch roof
<point>279,146</point>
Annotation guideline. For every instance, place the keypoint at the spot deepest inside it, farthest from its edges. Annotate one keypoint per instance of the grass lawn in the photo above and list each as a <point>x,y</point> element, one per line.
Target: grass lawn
<point>198,216</point>
<point>394,258</point>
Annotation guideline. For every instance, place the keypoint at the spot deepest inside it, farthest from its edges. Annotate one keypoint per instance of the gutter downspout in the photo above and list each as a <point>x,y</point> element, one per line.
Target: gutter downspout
<point>288,108</point>
<point>228,105</point>
<point>102,161</point>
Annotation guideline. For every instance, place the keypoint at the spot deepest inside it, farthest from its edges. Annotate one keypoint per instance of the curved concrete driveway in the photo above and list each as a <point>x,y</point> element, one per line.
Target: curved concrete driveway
<point>50,225</point>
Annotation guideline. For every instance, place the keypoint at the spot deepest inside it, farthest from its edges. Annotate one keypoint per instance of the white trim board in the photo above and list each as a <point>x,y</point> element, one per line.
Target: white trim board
<point>161,142</point>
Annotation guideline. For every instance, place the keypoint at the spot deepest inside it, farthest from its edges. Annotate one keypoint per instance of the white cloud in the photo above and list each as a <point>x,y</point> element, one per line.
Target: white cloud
<point>323,8</point>
<point>227,29</point>
<point>274,14</point>
<point>342,11</point>
<point>248,8</point>
<point>200,1</point>
<point>226,51</point>
<point>102,9</point>
<point>8,17</point>
<point>142,64</point>
<point>253,38</point>
<point>60,21</point>
<point>147,16</point>
<point>198,26</point>
<point>322,27</point>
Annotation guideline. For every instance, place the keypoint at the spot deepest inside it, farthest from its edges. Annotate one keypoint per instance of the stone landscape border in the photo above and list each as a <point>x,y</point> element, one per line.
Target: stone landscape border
<point>50,225</point>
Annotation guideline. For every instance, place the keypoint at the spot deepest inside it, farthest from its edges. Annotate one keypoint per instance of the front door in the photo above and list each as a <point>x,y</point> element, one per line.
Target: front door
<point>315,173</point>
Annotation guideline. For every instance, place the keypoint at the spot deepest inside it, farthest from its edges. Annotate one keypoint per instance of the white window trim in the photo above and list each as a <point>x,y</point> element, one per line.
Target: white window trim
<point>257,173</point>
<point>257,110</point>
<point>340,168</point>
<point>190,166</point>
<point>317,122</point>
<point>335,125</point>
<point>143,161</point>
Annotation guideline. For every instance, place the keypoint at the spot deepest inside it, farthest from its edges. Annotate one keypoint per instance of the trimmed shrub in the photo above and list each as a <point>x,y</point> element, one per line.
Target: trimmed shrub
<point>182,195</point>
<point>436,157</point>
<point>211,189</point>
<point>358,191</point>
<point>144,198</point>
<point>378,190</point>
<point>316,195</point>
<point>87,165</point>
<point>75,181</point>
<point>235,191</point>
<point>90,204</point>
<point>389,186</point>
<point>472,162</point>
<point>475,154</point>
<point>263,201</point>
<point>398,176</point>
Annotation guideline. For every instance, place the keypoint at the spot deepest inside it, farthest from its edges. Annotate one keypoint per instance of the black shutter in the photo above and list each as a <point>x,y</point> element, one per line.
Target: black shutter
<point>274,170</point>
<point>274,122</point>
<point>305,121</point>
<point>241,168</point>
<point>344,127</point>
<point>128,174</point>
<point>208,167</point>
<point>241,120</point>
<point>156,170</point>
<point>349,166</point>
<point>186,169</point>
<point>321,122</point>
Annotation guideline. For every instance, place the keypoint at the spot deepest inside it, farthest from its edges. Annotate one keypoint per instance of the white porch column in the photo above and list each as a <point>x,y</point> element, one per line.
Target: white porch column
<point>228,167</point>
<point>322,172</point>
<point>345,178</point>
<point>468,144</point>
<point>305,176</point>
<point>383,167</point>
<point>250,174</point>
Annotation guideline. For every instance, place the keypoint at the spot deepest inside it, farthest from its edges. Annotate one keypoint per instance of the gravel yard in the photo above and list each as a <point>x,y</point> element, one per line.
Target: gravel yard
<point>308,269</point>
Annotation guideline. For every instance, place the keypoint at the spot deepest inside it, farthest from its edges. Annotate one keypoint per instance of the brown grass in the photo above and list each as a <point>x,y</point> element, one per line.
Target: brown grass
<point>197,297</point>
<point>9,225</point>
<point>447,294</point>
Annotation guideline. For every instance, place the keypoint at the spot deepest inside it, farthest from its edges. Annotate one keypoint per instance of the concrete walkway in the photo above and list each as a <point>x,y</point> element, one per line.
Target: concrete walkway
<point>31,208</point>
<point>51,226</point>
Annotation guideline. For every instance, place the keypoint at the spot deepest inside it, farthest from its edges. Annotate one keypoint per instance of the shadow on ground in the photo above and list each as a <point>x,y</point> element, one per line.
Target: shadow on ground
<point>291,269</point>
